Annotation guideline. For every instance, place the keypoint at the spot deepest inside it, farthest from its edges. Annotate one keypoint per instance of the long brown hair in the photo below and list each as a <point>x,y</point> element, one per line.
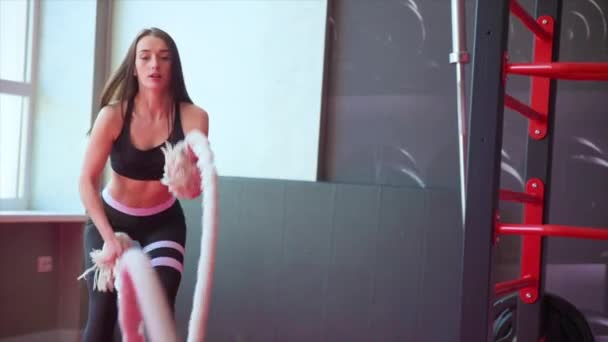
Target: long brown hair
<point>123,86</point>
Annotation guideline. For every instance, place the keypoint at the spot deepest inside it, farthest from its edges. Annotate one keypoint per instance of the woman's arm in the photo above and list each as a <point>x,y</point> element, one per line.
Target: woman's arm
<point>105,129</point>
<point>194,117</point>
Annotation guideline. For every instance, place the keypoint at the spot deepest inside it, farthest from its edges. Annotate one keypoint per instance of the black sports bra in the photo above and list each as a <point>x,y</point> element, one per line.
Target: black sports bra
<point>129,161</point>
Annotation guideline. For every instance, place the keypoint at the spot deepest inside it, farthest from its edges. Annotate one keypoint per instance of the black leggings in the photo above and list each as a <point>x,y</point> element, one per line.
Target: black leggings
<point>162,237</point>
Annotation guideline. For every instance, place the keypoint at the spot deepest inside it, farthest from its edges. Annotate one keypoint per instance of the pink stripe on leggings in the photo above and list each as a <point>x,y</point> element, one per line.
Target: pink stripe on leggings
<point>136,211</point>
<point>169,262</point>
<point>165,244</point>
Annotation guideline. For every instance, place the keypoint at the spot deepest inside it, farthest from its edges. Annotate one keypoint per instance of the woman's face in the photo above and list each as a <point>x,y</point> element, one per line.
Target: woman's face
<point>153,63</point>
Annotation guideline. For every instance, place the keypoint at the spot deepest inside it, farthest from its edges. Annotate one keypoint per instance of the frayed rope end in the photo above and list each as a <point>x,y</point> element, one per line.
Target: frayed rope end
<point>104,273</point>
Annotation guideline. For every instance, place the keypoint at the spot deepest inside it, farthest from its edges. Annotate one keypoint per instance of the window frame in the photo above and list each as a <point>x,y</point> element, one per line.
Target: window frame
<point>27,90</point>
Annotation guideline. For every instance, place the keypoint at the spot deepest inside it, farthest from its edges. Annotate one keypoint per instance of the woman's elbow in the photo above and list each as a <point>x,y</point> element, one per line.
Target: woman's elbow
<point>86,182</point>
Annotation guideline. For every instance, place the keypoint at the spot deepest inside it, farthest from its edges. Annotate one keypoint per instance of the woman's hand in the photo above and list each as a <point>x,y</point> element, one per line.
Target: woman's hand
<point>181,173</point>
<point>112,249</point>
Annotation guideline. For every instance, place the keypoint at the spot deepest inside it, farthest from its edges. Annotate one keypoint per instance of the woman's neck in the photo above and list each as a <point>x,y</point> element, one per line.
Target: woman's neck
<point>152,104</point>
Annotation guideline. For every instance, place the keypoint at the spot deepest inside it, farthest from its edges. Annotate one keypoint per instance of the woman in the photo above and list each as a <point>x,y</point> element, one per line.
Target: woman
<point>144,104</point>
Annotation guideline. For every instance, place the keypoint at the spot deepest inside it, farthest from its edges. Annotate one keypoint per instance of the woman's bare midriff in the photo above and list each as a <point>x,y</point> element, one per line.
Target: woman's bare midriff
<point>137,193</point>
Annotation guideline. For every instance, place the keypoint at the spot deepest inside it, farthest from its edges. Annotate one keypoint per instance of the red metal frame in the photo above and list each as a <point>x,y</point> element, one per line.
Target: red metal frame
<point>528,21</point>
<point>508,195</point>
<point>542,70</point>
<point>529,282</point>
<point>533,229</point>
<point>523,109</point>
<point>553,230</point>
<point>561,70</point>
<point>531,245</point>
<point>533,198</point>
<point>537,112</point>
<point>540,90</point>
<point>514,285</point>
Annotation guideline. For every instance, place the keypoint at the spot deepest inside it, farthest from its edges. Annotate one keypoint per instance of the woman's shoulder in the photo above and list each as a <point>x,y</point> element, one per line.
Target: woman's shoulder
<point>194,117</point>
<point>192,109</point>
<point>115,109</point>
<point>110,117</point>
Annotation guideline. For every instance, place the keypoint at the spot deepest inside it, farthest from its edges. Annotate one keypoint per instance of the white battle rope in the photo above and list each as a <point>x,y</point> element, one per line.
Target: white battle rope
<point>141,300</point>
<point>204,280</point>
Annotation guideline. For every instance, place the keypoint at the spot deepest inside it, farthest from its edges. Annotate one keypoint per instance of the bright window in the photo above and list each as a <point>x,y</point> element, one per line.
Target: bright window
<point>16,91</point>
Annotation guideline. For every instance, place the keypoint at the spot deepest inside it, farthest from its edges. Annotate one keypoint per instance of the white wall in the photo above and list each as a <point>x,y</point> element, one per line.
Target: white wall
<point>255,65</point>
<point>62,112</point>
